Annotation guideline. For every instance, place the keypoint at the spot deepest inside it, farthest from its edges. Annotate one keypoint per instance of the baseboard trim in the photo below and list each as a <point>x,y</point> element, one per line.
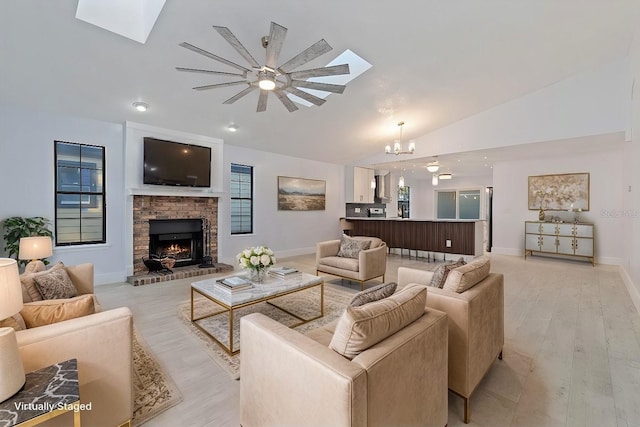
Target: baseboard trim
<point>631,288</point>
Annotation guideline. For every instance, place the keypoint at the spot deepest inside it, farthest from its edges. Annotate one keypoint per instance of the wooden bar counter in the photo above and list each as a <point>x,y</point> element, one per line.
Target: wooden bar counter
<point>424,235</point>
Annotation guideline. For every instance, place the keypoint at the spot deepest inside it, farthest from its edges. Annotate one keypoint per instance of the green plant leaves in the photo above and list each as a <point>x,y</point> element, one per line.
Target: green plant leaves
<point>17,227</point>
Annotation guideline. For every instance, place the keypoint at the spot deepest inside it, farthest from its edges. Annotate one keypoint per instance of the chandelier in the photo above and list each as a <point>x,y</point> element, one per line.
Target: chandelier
<point>397,145</point>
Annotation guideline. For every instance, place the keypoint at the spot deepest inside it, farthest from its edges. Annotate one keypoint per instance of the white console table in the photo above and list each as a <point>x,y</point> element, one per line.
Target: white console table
<point>567,239</point>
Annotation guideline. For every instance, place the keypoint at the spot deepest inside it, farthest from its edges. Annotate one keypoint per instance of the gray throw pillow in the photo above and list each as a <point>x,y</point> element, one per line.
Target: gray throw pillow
<point>373,294</point>
<point>441,272</point>
<point>55,285</point>
<point>350,248</point>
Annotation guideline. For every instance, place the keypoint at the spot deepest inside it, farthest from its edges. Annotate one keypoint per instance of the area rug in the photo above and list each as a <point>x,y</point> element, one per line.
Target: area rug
<point>304,304</point>
<point>153,390</point>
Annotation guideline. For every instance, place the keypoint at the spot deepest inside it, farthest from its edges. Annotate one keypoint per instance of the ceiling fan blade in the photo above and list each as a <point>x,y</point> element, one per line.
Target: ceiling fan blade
<point>277,35</point>
<point>262,101</point>
<point>214,57</point>
<point>306,96</point>
<point>312,52</point>
<point>326,87</point>
<point>233,41</point>
<point>217,85</point>
<point>285,100</point>
<point>239,95</point>
<point>335,70</point>
<point>217,73</point>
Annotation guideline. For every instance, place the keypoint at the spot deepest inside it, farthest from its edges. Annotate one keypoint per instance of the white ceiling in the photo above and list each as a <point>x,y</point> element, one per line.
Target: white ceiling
<point>434,62</point>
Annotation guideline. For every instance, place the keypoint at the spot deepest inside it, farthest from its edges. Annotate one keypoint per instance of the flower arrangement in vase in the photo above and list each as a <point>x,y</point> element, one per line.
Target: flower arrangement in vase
<point>256,259</point>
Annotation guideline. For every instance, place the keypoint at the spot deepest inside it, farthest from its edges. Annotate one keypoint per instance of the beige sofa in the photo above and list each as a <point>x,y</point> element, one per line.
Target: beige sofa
<point>102,344</point>
<point>370,264</point>
<point>476,327</point>
<point>293,380</point>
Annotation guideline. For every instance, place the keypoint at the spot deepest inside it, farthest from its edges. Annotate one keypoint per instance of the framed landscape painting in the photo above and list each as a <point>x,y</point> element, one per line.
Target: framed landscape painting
<point>563,192</point>
<point>301,194</point>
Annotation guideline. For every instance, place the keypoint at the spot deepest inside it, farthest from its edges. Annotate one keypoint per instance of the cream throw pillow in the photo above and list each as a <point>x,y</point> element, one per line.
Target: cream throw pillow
<point>463,278</point>
<point>30,290</point>
<point>350,248</point>
<point>374,293</point>
<point>361,327</point>
<point>41,313</point>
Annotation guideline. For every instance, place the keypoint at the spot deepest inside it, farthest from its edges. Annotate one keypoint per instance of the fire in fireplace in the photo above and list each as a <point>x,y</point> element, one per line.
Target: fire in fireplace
<point>181,239</point>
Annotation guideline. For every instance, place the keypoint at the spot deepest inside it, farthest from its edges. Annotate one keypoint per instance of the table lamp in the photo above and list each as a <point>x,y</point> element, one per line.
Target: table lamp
<point>11,368</point>
<point>35,248</point>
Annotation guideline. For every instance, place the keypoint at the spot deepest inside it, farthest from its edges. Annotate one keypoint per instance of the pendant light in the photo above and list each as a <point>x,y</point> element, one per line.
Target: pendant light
<point>397,145</point>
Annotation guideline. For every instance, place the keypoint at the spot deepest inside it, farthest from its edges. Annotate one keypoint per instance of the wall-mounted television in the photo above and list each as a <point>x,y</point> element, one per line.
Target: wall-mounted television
<point>175,163</point>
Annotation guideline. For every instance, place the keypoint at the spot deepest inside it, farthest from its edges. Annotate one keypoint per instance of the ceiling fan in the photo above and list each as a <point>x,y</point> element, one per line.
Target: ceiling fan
<point>270,77</point>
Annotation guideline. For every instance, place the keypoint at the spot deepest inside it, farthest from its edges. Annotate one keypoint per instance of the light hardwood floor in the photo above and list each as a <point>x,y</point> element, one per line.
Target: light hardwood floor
<point>571,356</point>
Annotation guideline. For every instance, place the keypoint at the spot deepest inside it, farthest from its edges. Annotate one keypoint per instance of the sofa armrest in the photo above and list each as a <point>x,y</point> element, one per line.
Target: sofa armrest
<point>287,379</point>
<point>102,343</point>
<point>476,329</point>
<point>82,277</point>
<point>408,275</point>
<point>325,249</point>
<point>372,262</point>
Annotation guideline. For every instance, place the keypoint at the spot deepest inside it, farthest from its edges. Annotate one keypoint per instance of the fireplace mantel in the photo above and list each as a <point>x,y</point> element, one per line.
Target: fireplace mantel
<point>174,191</point>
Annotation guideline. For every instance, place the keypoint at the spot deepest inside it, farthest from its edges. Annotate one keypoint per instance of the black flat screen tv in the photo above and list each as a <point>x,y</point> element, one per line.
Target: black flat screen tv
<point>175,163</point>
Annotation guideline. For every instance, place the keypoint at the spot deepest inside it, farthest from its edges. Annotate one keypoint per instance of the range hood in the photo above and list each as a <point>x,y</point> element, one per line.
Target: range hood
<point>383,187</point>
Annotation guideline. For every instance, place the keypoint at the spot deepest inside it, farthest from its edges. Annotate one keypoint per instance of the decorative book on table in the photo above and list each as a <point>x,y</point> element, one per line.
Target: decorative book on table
<point>234,284</point>
<point>283,271</point>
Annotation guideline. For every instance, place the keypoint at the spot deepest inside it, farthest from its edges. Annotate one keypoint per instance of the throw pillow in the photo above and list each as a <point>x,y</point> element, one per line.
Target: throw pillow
<point>373,294</point>
<point>350,248</point>
<point>41,313</point>
<point>362,327</point>
<point>441,273</point>
<point>55,285</point>
<point>467,276</point>
<point>30,291</point>
<point>16,322</point>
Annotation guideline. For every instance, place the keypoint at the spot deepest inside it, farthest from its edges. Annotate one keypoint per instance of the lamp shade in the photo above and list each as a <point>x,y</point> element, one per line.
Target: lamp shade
<point>10,288</point>
<point>36,247</point>
<point>11,368</point>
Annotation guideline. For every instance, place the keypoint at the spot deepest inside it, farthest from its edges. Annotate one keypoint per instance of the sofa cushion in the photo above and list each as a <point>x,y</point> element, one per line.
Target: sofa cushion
<point>55,284</point>
<point>41,313</point>
<point>351,247</point>
<point>16,322</point>
<point>442,271</point>
<point>373,294</point>
<point>340,262</point>
<point>30,290</point>
<point>462,278</point>
<point>361,327</point>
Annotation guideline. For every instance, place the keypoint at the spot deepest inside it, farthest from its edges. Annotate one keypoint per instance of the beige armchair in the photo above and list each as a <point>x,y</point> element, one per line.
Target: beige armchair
<point>369,264</point>
<point>476,328</point>
<point>102,344</point>
<point>300,381</point>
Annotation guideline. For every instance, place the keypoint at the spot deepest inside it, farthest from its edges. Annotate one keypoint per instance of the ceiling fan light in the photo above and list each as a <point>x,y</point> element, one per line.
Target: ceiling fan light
<point>266,80</point>
<point>433,167</point>
<point>434,180</point>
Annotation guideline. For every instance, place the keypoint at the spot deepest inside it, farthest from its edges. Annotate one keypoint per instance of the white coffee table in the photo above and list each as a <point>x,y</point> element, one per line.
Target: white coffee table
<point>260,292</point>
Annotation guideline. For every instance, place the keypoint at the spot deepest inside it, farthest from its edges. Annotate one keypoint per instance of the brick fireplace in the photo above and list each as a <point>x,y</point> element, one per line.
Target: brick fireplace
<point>150,208</point>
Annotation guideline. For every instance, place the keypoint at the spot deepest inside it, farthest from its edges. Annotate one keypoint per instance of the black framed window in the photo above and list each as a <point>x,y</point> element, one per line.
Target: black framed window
<point>80,194</point>
<point>241,199</point>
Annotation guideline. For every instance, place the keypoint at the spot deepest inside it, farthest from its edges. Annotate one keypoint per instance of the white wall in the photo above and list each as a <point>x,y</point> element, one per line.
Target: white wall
<point>510,205</point>
<point>27,173</point>
<point>288,233</point>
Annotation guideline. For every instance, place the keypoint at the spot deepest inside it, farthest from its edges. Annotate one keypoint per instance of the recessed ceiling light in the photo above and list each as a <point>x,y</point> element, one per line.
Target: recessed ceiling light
<point>141,106</point>
<point>232,127</point>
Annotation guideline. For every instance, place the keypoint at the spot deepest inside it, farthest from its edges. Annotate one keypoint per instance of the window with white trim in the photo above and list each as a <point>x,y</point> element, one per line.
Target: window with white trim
<point>241,199</point>
<point>458,204</point>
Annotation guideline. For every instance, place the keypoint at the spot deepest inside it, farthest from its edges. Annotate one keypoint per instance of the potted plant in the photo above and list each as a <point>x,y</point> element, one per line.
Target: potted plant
<point>17,227</point>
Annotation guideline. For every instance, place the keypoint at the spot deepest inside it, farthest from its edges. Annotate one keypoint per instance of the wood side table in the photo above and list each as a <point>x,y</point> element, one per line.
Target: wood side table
<point>47,393</point>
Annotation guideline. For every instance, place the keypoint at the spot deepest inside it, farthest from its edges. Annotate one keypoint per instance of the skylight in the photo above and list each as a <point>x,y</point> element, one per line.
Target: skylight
<point>133,19</point>
<point>357,66</point>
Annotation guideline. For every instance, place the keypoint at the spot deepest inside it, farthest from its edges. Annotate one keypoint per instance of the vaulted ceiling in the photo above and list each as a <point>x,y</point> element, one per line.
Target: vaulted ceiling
<point>434,63</point>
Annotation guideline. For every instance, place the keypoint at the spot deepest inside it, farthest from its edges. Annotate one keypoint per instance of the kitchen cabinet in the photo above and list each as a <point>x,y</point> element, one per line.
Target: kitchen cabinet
<point>362,191</point>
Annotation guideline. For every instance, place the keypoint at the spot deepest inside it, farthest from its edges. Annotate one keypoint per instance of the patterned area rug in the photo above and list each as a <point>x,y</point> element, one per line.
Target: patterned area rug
<point>154,391</point>
<point>305,304</point>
